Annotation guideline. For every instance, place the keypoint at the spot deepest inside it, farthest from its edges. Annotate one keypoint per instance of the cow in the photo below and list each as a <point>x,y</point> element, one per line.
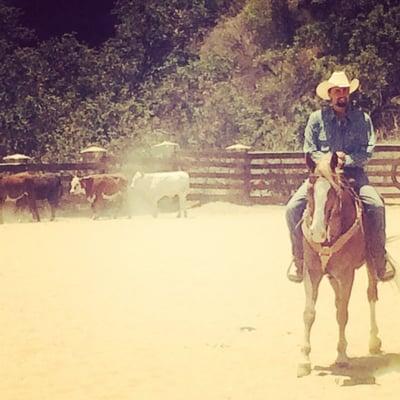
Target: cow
<point>25,188</point>
<point>151,187</point>
<point>100,187</point>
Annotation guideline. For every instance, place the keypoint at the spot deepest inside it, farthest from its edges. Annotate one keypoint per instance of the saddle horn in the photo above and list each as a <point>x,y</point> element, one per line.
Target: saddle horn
<point>334,161</point>
<point>310,162</point>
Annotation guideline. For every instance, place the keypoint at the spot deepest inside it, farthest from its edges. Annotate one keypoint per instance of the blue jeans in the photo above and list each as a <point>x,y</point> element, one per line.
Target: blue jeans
<point>374,218</point>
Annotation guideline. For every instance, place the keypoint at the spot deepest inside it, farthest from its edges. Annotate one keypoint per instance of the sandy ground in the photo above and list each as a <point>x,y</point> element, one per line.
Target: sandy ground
<point>167,308</point>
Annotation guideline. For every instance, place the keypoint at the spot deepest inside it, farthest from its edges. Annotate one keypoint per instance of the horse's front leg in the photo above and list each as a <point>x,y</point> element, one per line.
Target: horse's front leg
<point>311,284</point>
<point>342,287</point>
<point>374,342</point>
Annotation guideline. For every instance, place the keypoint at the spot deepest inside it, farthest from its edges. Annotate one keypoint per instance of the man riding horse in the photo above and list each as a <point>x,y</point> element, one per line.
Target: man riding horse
<point>349,132</point>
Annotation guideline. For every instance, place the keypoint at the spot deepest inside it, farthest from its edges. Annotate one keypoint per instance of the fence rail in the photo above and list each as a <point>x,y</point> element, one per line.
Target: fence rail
<point>249,177</point>
<point>51,167</point>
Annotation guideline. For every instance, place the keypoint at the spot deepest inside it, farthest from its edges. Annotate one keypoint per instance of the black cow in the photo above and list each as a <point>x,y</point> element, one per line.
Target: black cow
<point>26,188</point>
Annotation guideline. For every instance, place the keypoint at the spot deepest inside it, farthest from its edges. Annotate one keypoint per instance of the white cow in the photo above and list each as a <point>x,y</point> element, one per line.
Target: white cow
<point>153,186</point>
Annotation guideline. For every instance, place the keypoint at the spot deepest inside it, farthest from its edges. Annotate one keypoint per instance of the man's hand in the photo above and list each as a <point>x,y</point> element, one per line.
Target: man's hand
<point>341,158</point>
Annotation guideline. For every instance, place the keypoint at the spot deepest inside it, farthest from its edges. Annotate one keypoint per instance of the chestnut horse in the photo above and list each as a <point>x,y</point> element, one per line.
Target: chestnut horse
<point>334,245</point>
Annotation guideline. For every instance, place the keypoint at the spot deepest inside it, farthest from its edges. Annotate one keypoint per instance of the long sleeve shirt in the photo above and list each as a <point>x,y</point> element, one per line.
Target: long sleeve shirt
<point>354,135</point>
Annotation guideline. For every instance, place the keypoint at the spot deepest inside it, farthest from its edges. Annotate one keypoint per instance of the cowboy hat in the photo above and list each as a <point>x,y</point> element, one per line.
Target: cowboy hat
<point>337,79</point>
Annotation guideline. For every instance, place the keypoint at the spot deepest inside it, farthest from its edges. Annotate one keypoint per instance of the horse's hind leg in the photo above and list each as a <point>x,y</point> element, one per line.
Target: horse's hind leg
<point>372,292</point>
<point>311,285</point>
<point>342,288</point>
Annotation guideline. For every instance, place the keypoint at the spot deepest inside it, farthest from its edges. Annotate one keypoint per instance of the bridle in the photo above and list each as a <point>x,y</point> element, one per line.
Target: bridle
<point>325,252</point>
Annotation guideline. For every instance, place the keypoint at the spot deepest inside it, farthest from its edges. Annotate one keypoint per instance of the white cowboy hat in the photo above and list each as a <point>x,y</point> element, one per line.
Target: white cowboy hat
<point>337,79</point>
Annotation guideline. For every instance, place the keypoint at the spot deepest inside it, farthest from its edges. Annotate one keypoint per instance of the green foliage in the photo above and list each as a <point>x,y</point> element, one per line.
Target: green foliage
<point>39,88</point>
<point>270,20</point>
<point>11,34</point>
<point>203,73</point>
<point>362,37</point>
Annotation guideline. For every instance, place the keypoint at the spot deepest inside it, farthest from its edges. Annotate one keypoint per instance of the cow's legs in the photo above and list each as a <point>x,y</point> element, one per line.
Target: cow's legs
<point>117,208</point>
<point>155,209</point>
<point>312,280</point>
<point>53,206</point>
<point>52,212</point>
<point>95,207</point>
<point>125,205</point>
<point>20,206</point>
<point>182,206</point>
<point>342,288</point>
<point>372,293</point>
<point>33,208</point>
<point>1,211</point>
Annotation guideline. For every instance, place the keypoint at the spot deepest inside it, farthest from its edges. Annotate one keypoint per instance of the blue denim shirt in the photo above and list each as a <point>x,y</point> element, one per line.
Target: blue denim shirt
<point>354,135</point>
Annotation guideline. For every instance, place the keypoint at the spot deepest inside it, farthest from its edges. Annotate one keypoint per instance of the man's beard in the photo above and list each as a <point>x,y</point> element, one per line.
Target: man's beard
<point>342,102</point>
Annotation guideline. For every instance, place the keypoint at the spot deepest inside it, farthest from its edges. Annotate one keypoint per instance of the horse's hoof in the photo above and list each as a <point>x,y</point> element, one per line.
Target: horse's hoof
<point>375,351</point>
<point>342,364</point>
<point>303,369</point>
<point>375,346</point>
<point>342,361</point>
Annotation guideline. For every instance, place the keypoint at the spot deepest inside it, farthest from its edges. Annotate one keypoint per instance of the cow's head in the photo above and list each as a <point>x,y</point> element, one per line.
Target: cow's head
<point>136,177</point>
<point>76,186</point>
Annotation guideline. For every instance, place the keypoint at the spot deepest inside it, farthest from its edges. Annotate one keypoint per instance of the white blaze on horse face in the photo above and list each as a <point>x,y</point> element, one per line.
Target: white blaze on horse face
<point>318,227</point>
<point>76,187</point>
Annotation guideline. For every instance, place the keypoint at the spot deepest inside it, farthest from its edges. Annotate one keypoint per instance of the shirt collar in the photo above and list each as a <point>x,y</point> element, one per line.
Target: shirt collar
<point>349,114</point>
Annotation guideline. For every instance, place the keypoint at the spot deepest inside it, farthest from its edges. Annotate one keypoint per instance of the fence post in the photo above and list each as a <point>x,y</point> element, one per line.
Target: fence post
<point>247,178</point>
<point>394,173</point>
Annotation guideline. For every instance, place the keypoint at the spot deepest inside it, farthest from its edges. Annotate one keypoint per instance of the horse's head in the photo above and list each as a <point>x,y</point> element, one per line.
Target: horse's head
<point>324,198</point>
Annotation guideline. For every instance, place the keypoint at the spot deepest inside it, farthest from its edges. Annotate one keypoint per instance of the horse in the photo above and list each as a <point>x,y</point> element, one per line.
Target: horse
<point>334,245</point>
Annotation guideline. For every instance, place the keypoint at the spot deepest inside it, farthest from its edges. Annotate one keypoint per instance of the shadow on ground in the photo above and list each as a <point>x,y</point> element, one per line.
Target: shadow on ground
<point>362,370</point>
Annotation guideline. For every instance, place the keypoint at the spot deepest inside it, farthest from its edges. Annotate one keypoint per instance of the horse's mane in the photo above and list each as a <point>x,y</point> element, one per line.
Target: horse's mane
<point>335,177</point>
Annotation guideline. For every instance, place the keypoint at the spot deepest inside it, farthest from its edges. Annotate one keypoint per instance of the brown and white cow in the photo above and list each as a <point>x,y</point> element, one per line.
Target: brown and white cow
<point>25,188</point>
<point>101,188</point>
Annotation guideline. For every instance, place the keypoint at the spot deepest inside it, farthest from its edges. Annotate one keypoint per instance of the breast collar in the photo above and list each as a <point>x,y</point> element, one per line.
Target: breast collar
<point>325,252</point>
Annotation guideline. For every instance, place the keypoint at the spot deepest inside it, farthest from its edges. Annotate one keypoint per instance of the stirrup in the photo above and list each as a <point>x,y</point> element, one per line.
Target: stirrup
<point>390,269</point>
<point>294,273</point>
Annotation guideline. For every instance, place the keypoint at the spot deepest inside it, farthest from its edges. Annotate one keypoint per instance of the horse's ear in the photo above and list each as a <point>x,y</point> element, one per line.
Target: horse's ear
<point>334,161</point>
<point>310,162</point>
<point>352,182</point>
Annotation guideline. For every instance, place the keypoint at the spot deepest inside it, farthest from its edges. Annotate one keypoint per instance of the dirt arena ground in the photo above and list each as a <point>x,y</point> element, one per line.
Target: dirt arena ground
<point>192,309</point>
